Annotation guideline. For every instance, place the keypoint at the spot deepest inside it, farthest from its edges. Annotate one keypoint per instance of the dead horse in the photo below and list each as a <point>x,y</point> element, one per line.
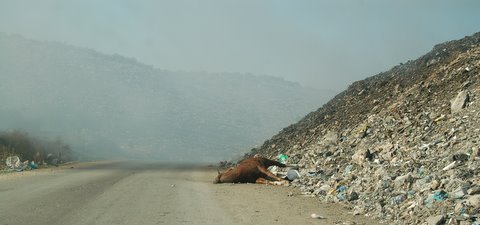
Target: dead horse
<point>252,170</point>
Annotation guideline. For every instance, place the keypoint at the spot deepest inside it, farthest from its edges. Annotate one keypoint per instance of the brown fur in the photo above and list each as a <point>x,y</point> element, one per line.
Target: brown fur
<point>252,170</point>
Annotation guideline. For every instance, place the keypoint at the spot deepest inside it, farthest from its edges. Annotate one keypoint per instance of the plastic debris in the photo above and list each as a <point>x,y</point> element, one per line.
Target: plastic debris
<point>316,216</point>
<point>13,162</point>
<point>440,196</point>
<point>282,158</point>
<point>449,166</point>
<point>293,175</point>
<point>33,165</point>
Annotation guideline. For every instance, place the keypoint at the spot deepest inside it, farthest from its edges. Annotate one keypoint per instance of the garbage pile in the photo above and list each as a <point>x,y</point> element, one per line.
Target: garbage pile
<point>13,163</point>
<point>401,146</point>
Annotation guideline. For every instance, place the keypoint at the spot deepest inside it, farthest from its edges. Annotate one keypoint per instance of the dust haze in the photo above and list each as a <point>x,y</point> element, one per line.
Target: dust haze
<point>198,80</point>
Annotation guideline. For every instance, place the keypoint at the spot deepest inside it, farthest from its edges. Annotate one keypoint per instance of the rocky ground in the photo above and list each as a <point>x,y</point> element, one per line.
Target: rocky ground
<point>401,146</point>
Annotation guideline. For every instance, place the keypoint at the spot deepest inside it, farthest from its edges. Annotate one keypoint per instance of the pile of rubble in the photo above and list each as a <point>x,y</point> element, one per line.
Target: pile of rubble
<point>401,146</point>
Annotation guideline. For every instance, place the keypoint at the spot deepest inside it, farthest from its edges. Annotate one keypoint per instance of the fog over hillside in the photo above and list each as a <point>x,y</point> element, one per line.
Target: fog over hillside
<point>113,106</point>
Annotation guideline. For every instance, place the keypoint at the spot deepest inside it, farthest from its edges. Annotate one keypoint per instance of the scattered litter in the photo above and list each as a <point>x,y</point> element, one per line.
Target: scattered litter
<point>32,165</point>
<point>316,216</point>
<point>13,162</point>
<point>440,196</point>
<point>449,166</point>
<point>273,169</point>
<point>282,158</point>
<point>293,175</point>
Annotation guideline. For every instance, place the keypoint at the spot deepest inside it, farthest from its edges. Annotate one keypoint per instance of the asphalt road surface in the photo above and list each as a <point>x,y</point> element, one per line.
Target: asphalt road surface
<point>150,193</point>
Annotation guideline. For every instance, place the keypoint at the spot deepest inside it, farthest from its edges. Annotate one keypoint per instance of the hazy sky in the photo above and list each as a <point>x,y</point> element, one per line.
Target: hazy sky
<point>327,44</point>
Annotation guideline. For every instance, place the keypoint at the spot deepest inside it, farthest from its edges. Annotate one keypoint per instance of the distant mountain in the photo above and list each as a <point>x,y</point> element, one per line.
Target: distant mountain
<point>110,105</point>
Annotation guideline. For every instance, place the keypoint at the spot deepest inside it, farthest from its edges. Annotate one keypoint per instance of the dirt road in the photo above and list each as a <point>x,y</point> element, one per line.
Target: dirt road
<point>140,193</point>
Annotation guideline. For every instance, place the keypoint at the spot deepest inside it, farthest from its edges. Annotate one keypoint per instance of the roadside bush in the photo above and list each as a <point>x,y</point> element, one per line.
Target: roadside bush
<point>33,149</point>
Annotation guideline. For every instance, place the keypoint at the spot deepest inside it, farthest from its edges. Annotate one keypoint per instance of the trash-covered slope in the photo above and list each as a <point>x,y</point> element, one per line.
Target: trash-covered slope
<point>400,146</point>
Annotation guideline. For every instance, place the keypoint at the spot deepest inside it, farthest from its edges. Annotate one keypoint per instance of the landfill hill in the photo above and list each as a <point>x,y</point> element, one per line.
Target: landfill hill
<point>401,146</point>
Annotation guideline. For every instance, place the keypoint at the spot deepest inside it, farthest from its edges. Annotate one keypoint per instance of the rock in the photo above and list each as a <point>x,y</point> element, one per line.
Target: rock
<point>474,201</point>
<point>459,207</point>
<point>361,131</point>
<point>458,194</point>
<point>475,153</point>
<point>386,146</point>
<point>330,138</point>
<point>360,156</point>
<point>359,210</point>
<point>400,181</point>
<point>474,190</point>
<point>423,183</point>
<point>380,173</point>
<point>460,157</point>
<point>435,220</point>
<point>324,188</point>
<point>435,185</point>
<point>352,196</point>
<point>459,102</point>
